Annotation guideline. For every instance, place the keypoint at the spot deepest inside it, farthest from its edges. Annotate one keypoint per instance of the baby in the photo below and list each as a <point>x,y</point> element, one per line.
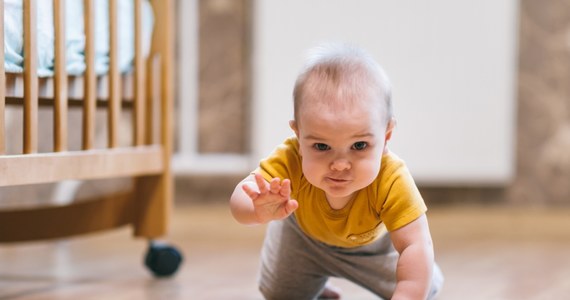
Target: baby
<point>338,201</point>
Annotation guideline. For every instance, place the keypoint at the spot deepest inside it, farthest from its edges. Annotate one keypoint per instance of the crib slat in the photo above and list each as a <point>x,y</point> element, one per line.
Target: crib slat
<point>167,72</point>
<point>139,106</point>
<point>166,90</point>
<point>114,79</point>
<point>60,80</point>
<point>2,86</point>
<point>90,79</point>
<point>150,96</point>
<point>30,78</point>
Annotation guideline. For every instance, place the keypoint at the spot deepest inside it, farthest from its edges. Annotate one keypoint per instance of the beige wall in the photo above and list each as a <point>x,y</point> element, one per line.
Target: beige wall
<point>223,76</point>
<point>543,147</point>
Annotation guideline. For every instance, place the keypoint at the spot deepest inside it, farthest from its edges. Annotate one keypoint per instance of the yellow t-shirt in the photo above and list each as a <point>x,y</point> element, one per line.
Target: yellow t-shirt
<point>391,201</point>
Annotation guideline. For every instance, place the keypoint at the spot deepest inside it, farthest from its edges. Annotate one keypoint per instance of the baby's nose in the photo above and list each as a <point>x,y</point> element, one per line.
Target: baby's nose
<point>340,164</point>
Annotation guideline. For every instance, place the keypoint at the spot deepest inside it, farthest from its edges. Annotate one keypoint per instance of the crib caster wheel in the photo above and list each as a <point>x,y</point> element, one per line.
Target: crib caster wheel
<point>162,260</point>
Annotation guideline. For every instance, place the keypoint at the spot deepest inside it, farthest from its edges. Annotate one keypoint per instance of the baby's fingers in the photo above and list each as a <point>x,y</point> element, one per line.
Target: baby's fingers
<point>275,185</point>
<point>253,194</point>
<point>285,188</point>
<point>261,183</point>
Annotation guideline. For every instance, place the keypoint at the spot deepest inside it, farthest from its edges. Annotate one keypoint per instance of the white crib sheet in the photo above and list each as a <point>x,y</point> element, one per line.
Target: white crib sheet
<point>75,36</point>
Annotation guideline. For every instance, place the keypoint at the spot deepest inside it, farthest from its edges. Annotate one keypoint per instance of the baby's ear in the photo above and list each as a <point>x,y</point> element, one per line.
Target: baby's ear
<point>293,125</point>
<point>390,128</point>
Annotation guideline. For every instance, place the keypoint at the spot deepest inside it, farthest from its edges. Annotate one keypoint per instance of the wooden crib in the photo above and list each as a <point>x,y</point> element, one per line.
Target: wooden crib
<point>147,91</point>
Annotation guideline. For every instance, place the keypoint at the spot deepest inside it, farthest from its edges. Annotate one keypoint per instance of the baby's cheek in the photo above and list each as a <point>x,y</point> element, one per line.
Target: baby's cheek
<point>370,170</point>
<point>311,170</point>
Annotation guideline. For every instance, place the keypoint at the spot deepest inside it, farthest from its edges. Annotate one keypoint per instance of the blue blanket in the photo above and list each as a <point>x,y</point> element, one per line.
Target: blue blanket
<point>75,36</point>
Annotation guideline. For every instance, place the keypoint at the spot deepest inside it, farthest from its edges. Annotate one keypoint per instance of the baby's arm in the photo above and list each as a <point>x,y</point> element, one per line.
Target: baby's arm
<point>256,201</point>
<point>415,265</point>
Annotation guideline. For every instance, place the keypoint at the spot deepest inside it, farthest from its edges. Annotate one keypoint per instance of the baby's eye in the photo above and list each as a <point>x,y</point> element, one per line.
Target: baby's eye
<point>359,145</point>
<point>321,147</point>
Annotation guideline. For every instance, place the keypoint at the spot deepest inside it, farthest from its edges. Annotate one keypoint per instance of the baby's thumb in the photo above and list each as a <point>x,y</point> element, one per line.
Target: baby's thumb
<point>291,206</point>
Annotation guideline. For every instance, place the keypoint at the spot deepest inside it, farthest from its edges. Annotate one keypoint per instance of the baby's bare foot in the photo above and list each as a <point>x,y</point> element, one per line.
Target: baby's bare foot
<point>330,292</point>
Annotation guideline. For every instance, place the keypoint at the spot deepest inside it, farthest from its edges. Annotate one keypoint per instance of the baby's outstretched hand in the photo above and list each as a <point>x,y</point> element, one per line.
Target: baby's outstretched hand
<point>272,199</point>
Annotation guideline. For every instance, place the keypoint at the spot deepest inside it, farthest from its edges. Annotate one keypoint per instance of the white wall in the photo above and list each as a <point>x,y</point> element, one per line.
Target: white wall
<point>452,64</point>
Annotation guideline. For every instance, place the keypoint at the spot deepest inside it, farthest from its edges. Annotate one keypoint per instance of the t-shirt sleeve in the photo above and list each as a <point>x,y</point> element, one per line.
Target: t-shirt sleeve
<point>403,202</point>
<point>283,163</point>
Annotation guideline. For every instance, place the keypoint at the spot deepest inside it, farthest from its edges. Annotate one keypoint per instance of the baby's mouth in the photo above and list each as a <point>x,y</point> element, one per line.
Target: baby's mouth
<point>337,180</point>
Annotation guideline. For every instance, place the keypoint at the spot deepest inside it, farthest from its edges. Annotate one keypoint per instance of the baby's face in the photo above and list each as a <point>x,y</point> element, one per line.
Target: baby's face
<point>341,148</point>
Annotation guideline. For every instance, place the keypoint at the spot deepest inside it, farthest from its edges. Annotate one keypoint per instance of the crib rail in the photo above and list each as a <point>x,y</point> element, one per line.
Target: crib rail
<point>14,90</point>
<point>93,164</point>
<point>146,155</point>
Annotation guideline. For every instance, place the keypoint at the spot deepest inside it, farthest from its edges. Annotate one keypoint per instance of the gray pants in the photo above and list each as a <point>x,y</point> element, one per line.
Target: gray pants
<point>295,266</point>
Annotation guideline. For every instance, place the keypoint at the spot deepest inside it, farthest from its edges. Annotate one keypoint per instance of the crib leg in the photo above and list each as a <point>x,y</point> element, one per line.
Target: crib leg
<point>152,206</point>
<point>152,203</point>
<point>162,260</point>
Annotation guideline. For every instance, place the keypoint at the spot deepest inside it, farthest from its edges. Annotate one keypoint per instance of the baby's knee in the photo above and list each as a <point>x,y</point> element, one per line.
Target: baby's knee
<point>277,293</point>
<point>272,293</point>
<point>281,292</point>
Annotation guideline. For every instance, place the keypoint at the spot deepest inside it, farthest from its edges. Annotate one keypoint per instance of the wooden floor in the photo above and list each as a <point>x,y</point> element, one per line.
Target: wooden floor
<point>485,253</point>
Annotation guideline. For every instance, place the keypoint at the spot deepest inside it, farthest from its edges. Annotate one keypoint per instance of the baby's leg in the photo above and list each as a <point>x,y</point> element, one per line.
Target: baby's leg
<point>289,267</point>
<point>374,268</point>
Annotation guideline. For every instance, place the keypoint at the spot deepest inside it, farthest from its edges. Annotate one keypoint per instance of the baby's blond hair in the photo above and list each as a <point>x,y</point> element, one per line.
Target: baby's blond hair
<point>342,72</point>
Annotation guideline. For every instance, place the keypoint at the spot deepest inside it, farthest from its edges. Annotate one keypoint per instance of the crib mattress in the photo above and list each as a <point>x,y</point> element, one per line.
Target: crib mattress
<point>75,36</point>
